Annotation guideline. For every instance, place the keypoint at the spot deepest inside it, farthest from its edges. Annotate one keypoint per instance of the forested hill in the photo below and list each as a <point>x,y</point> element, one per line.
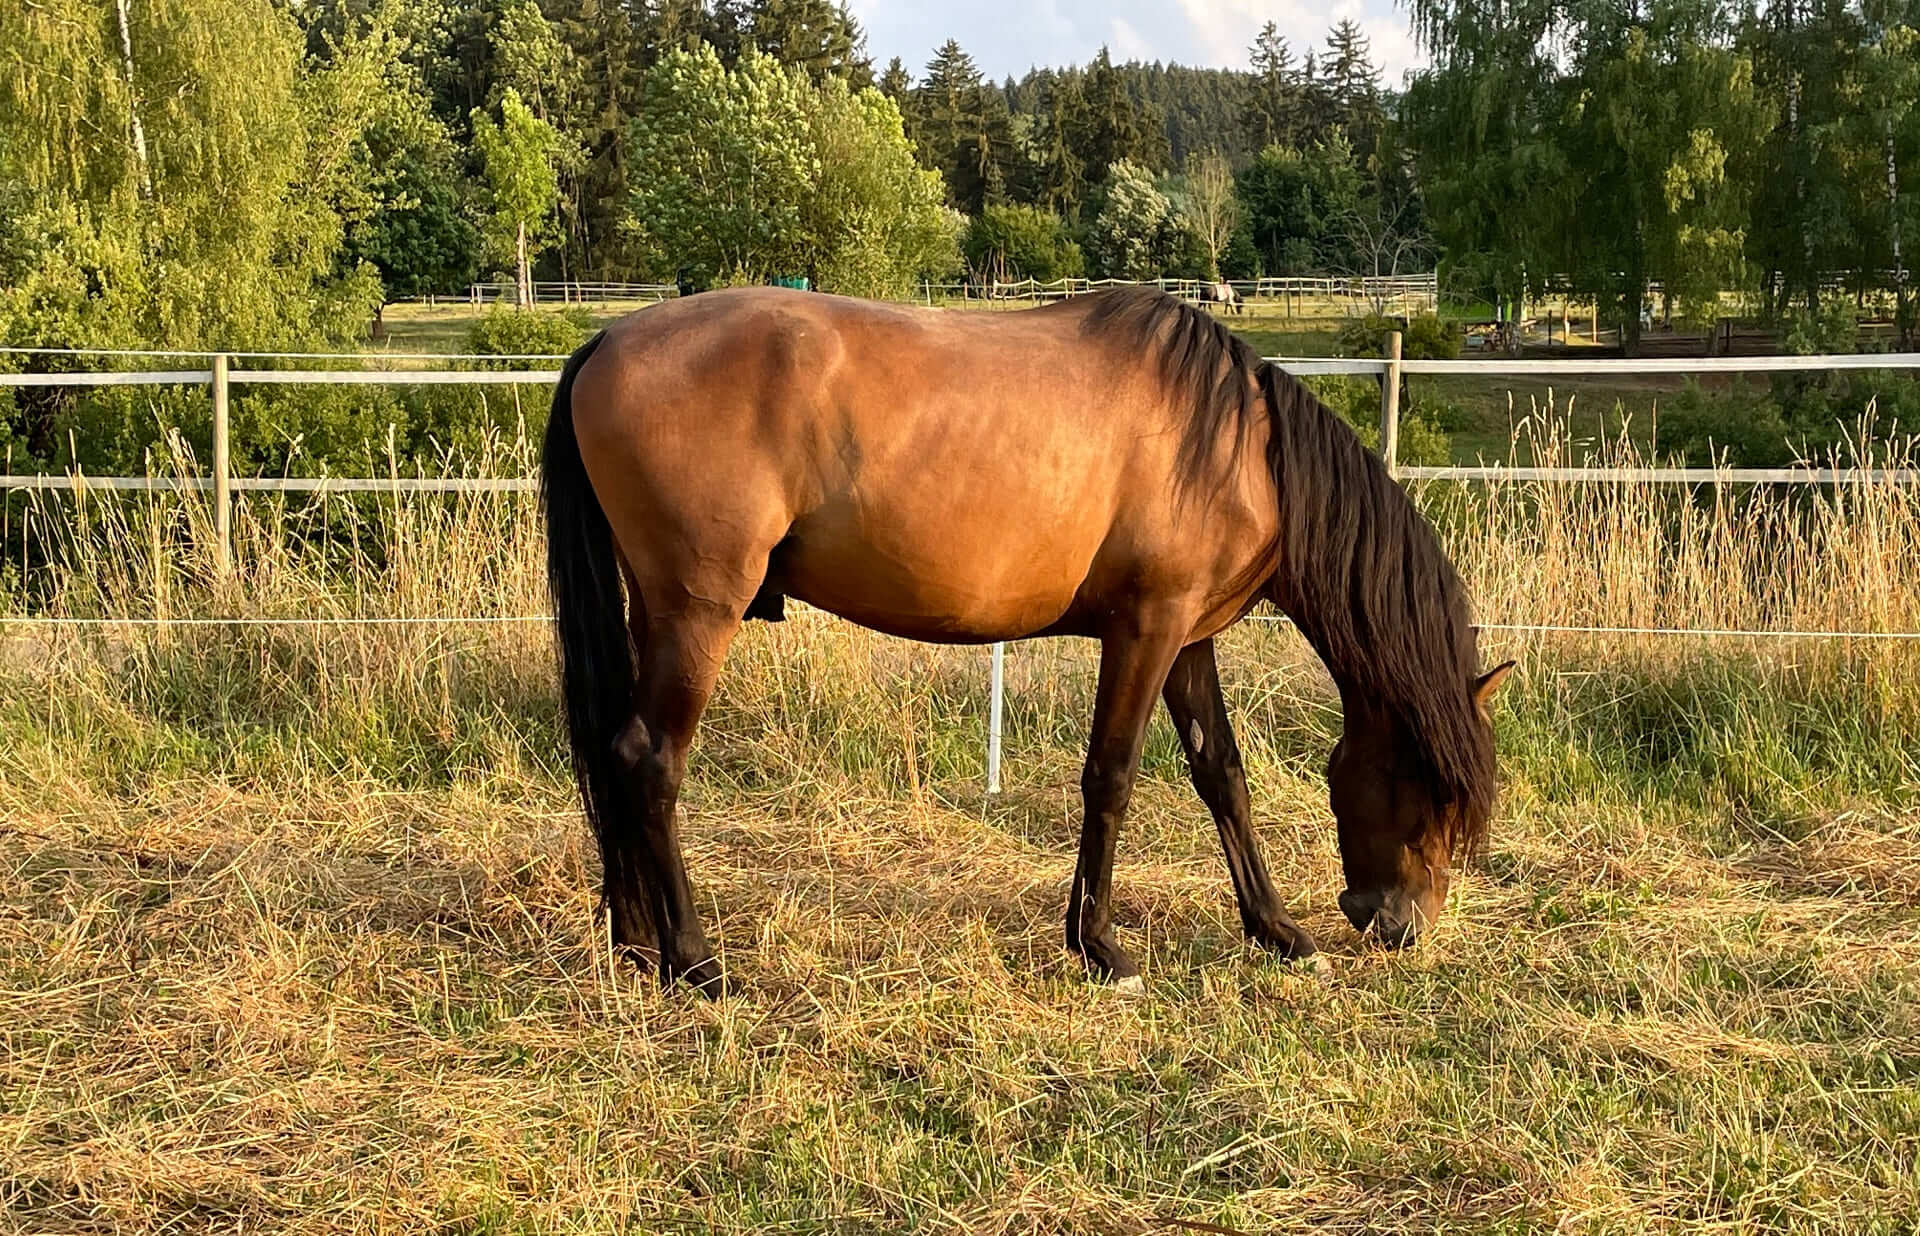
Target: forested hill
<point>1196,109</point>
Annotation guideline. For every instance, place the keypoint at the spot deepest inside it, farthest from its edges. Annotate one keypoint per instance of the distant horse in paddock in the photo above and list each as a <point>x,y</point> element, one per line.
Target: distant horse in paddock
<point>1223,294</point>
<point>708,458</point>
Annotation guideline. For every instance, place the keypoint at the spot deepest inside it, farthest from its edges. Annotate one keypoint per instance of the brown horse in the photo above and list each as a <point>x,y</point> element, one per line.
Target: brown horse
<point>1118,466</point>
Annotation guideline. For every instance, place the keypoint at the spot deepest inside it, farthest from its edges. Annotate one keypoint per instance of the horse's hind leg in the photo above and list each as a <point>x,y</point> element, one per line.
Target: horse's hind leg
<point>1199,713</point>
<point>679,660</point>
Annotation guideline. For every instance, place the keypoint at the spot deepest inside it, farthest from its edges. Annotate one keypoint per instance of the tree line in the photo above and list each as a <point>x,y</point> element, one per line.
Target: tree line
<point>1706,145</point>
<point>257,172</point>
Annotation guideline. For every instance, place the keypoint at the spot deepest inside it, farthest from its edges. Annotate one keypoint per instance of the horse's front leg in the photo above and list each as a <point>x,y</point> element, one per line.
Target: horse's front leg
<point>1132,668</point>
<point>1199,713</point>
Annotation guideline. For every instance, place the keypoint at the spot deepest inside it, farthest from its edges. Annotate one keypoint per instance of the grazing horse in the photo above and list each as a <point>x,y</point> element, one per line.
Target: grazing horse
<point>1225,294</point>
<point>708,458</point>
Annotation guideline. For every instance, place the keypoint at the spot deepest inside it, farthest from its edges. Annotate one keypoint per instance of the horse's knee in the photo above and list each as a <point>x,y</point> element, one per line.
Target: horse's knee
<point>1106,784</point>
<point>1095,781</point>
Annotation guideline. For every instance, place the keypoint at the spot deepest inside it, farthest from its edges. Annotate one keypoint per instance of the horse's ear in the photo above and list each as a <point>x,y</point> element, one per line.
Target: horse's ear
<point>1488,683</point>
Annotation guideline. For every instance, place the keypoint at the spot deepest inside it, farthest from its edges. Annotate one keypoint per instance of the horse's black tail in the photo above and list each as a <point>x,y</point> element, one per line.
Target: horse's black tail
<point>589,614</point>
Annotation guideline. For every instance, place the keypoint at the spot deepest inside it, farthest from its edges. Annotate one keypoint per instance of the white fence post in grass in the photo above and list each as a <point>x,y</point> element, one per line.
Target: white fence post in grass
<point>1390,406</point>
<point>996,700</point>
<point>222,470</point>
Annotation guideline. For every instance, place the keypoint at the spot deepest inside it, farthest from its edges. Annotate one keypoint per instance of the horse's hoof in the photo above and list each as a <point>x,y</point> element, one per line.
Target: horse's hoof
<point>708,979</point>
<point>1132,985</point>
<point>1289,943</point>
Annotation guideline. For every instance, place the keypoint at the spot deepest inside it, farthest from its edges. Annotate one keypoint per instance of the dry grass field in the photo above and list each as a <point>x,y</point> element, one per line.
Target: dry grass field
<point>296,923</point>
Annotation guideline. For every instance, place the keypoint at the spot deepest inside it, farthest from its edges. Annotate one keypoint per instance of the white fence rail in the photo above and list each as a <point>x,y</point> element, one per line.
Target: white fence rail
<point>221,377</point>
<point>571,293</point>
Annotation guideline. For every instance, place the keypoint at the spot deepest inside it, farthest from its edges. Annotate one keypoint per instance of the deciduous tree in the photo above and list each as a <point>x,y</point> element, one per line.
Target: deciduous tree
<point>520,158</point>
<point>1297,203</point>
<point>748,173</point>
<point>1133,235</point>
<point>1022,242</point>
<point>1660,113</point>
<point>1210,205</point>
<point>220,223</point>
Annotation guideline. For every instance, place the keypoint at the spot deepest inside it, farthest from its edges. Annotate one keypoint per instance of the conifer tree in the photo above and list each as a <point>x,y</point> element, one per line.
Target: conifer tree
<point>962,129</point>
<point>896,83</point>
<point>819,37</point>
<point>1272,113</point>
<point>1353,86</point>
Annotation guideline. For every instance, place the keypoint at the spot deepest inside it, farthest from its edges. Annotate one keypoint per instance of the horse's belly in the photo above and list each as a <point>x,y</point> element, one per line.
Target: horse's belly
<point>972,576</point>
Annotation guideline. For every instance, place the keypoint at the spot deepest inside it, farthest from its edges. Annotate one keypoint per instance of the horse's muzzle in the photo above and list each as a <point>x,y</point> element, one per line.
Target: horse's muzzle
<point>1369,912</point>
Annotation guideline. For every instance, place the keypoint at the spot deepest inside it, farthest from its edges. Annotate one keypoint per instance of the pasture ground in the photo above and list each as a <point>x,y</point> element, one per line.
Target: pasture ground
<point>297,925</point>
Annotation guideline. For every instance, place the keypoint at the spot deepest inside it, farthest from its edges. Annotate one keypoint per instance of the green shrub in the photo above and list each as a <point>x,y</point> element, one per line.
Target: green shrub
<point>1424,337</point>
<point>1429,338</point>
<point>1742,427</point>
<point>1423,443</point>
<point>108,430</point>
<point>278,430</point>
<point>1190,259</point>
<point>11,447</point>
<point>370,431</point>
<point>1423,426</point>
<point>506,331</point>
<point>1829,330</point>
<point>1357,402</point>
<point>317,430</point>
<point>1448,416</point>
<point>1023,242</point>
<point>1799,416</point>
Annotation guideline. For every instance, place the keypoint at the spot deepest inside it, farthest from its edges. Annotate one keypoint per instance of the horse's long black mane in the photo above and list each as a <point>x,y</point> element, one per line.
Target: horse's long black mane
<point>1360,570</point>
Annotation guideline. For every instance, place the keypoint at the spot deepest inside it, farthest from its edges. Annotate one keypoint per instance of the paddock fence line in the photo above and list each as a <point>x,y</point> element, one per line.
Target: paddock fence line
<point>1414,291</point>
<point>571,292</point>
<point>221,376</point>
<point>1377,291</point>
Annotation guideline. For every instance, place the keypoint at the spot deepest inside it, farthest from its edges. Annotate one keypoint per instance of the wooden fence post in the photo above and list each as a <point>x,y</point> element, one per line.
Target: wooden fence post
<point>1390,406</point>
<point>222,470</point>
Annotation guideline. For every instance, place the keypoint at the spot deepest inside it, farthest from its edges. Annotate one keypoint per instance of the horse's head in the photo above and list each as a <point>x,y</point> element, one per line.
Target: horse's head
<point>1397,834</point>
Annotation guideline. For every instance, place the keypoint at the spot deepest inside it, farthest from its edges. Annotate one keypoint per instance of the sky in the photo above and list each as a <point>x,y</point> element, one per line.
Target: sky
<point>1007,37</point>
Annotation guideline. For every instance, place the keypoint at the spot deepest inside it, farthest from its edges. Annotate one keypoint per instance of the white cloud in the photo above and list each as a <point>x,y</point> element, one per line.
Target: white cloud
<point>1007,36</point>
<point>1225,29</point>
<point>1004,36</point>
<point>1049,15</point>
<point>1126,43</point>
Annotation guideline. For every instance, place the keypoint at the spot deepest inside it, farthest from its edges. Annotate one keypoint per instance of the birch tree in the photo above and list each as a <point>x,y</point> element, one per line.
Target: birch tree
<point>520,160</point>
